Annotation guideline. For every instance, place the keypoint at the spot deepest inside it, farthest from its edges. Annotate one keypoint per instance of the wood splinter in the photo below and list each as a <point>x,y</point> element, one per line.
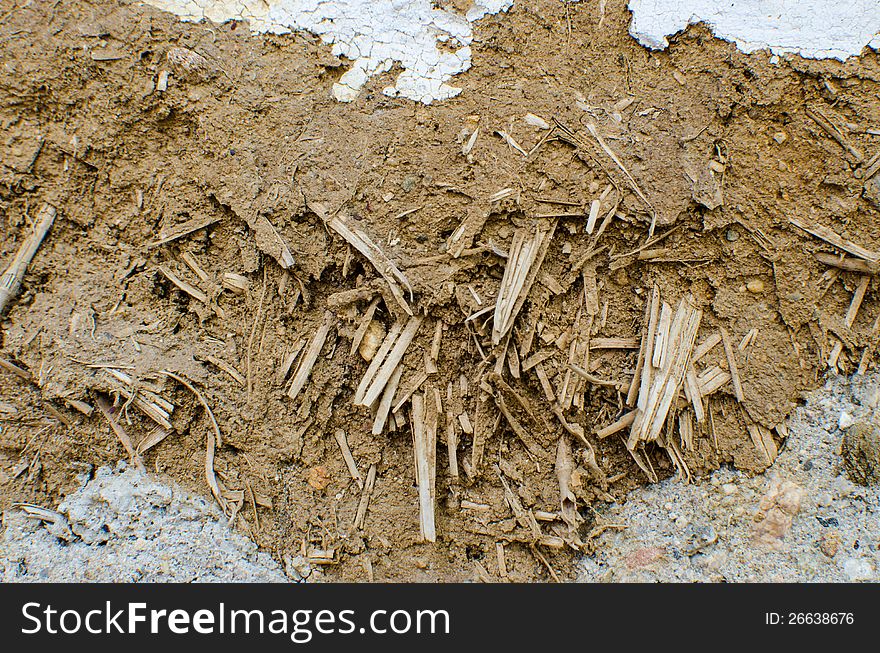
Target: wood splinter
<point>342,441</point>
<point>107,410</point>
<point>424,423</point>
<point>731,363</point>
<point>364,503</point>
<point>311,356</point>
<point>10,282</point>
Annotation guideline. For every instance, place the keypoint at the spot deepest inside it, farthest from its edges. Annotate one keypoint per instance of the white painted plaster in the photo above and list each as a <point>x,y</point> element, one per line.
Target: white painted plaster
<point>433,45</point>
<point>373,34</point>
<point>817,29</point>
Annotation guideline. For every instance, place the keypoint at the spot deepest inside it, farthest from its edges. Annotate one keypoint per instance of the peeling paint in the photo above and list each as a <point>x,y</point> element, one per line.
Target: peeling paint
<point>817,29</point>
<point>374,34</point>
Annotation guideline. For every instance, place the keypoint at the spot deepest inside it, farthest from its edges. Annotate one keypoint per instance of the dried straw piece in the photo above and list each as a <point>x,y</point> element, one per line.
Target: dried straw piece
<point>615,427</point>
<point>385,403</point>
<point>834,132</point>
<point>509,140</point>
<point>632,393</point>
<point>692,388</point>
<point>81,406</point>
<point>107,410</point>
<point>287,361</point>
<point>662,336</point>
<point>363,325</point>
<point>536,358</point>
<point>614,343</point>
<point>414,385</point>
<point>452,444</point>
<point>829,236</point>
<point>184,228</point>
<point>629,178</point>
<point>712,380</point>
<point>564,470</point>
<point>226,367</point>
<point>311,356</point>
<point>868,353</point>
<point>342,441</point>
<point>10,281</point>
<point>153,438</point>
<point>24,375</point>
<point>391,362</point>
<point>425,447</point>
<point>214,440</point>
<point>362,243</point>
<point>527,252</point>
<point>856,302</point>
<point>731,364</point>
<point>153,406</point>
<point>236,283</point>
<point>193,264</point>
<point>748,339</point>
<point>849,264</point>
<point>665,388</point>
<point>185,286</point>
<point>763,441</point>
<point>647,367</point>
<point>706,346</point>
<point>469,144</point>
<point>364,502</point>
<point>285,258</point>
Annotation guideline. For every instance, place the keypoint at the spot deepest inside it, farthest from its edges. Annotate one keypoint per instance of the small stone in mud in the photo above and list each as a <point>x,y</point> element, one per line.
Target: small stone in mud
<point>776,512</point>
<point>318,477</point>
<point>861,453</point>
<point>732,235</point>
<point>856,569</point>
<point>780,137</point>
<point>830,542</point>
<point>373,338</point>
<point>645,557</point>
<point>755,286</point>
<point>409,183</point>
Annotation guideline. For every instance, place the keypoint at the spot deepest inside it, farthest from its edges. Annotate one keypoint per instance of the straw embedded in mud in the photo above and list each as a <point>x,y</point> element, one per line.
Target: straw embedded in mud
<point>455,329</point>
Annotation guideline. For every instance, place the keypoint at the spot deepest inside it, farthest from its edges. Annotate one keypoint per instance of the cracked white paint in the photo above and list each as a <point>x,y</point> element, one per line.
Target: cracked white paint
<point>433,45</point>
<point>373,34</point>
<point>817,29</point>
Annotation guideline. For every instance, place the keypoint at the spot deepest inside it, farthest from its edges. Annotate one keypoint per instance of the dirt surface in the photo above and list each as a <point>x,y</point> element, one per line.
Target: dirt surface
<point>246,140</point>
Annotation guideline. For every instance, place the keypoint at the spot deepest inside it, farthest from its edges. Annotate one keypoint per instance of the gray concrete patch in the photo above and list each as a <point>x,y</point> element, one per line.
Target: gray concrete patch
<point>124,525</point>
<point>802,521</point>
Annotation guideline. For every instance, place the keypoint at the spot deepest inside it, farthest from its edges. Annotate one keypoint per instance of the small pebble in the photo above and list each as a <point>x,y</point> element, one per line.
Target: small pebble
<point>780,137</point>
<point>755,286</point>
<point>732,235</point>
<point>845,420</point>
<point>856,569</point>
<point>728,488</point>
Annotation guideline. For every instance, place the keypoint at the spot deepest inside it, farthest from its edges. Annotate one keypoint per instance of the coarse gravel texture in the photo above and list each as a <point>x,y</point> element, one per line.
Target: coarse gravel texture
<point>125,526</point>
<point>803,520</point>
